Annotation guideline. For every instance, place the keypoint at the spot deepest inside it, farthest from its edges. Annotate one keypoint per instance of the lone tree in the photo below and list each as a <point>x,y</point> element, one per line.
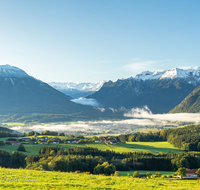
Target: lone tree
<point>21,148</point>
<point>23,134</point>
<point>181,172</point>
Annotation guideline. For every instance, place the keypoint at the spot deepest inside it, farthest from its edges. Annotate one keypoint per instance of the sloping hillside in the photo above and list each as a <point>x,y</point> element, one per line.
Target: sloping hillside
<point>191,104</point>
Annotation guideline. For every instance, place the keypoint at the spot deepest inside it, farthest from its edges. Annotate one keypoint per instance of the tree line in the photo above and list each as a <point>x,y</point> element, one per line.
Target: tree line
<point>15,160</point>
<point>56,158</point>
<point>186,138</point>
<point>87,159</point>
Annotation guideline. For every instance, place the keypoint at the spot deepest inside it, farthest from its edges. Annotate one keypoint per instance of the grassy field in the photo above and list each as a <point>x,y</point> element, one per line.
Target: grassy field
<point>130,173</point>
<point>29,179</point>
<point>153,147</point>
<point>12,124</point>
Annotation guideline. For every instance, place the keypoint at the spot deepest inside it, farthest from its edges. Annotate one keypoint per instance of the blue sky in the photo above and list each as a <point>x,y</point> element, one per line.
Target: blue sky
<point>93,40</point>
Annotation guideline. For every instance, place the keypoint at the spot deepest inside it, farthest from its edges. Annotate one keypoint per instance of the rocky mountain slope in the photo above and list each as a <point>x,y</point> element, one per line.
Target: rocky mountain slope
<point>21,93</point>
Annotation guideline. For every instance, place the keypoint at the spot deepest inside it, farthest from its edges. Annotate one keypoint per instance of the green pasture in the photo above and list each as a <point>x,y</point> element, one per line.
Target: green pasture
<point>145,130</point>
<point>3,139</point>
<point>30,149</point>
<point>50,136</point>
<point>100,146</point>
<point>12,124</point>
<point>130,173</point>
<point>153,147</point>
<point>40,180</point>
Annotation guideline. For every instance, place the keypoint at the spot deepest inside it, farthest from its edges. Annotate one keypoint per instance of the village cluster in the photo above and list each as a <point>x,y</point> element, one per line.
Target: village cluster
<point>49,140</point>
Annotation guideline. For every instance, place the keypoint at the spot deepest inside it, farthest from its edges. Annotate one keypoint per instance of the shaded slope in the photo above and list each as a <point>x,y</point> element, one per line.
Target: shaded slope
<point>21,93</point>
<point>159,95</point>
<point>191,104</point>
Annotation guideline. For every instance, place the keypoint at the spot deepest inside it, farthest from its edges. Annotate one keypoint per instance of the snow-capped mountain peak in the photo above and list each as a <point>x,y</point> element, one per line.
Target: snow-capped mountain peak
<point>192,73</point>
<point>78,86</point>
<point>11,71</point>
<point>77,90</point>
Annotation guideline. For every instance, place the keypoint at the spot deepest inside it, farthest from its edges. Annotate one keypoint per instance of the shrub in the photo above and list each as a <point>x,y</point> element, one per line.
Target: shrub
<point>2,143</point>
<point>21,148</point>
<point>158,174</point>
<point>136,174</point>
<point>148,174</point>
<point>116,173</point>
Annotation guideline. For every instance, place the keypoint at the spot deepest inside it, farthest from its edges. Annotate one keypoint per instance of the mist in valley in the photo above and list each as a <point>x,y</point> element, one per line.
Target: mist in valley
<point>142,119</point>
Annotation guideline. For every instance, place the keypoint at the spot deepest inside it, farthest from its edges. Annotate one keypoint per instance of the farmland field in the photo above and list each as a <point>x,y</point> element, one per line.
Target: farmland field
<point>30,179</point>
<point>153,147</point>
<point>13,124</point>
<point>130,173</point>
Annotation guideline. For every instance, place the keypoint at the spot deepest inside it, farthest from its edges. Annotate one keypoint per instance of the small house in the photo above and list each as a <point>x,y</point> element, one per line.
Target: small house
<point>44,138</point>
<point>73,141</point>
<point>113,142</point>
<point>43,142</point>
<point>35,137</point>
<point>56,141</point>
<point>15,143</point>
<point>26,139</point>
<point>191,173</point>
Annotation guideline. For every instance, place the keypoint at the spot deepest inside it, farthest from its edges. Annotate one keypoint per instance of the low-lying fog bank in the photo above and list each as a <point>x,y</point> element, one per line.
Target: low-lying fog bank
<point>141,119</point>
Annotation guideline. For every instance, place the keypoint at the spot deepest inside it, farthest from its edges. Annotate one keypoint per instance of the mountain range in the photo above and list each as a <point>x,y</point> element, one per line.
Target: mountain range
<point>160,91</point>
<point>21,93</point>
<point>77,90</point>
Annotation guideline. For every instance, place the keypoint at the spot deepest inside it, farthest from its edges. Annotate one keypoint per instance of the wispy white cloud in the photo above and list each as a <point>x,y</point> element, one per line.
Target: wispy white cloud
<point>85,101</point>
<point>137,66</point>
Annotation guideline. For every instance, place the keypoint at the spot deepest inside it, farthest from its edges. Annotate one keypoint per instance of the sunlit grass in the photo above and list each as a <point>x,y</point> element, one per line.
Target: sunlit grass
<point>60,180</point>
<point>130,173</point>
<point>13,124</point>
<point>153,147</point>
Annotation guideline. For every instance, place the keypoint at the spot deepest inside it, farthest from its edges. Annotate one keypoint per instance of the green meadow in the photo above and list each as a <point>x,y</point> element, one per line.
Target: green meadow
<point>40,180</point>
<point>13,124</point>
<point>153,147</point>
<point>130,173</point>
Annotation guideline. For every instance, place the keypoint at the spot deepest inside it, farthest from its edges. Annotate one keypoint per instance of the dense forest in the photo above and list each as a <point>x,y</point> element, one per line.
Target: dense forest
<point>15,160</point>
<point>86,159</point>
<point>7,134</point>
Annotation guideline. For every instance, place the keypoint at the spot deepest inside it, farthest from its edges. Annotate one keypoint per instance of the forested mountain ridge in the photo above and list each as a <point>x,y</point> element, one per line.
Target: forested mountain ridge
<point>191,104</point>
